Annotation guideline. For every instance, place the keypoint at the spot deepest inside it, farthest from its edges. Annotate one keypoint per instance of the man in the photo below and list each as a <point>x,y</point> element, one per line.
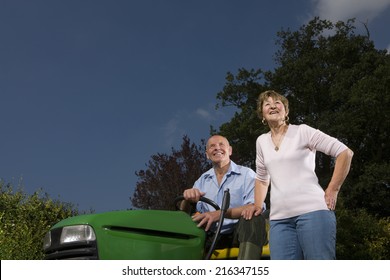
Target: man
<point>239,228</point>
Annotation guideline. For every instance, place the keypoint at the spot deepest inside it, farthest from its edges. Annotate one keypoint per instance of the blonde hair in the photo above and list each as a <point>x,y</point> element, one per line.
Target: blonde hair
<point>275,96</point>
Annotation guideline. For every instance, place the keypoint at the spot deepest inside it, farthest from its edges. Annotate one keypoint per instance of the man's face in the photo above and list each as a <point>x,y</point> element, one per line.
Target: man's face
<point>218,149</point>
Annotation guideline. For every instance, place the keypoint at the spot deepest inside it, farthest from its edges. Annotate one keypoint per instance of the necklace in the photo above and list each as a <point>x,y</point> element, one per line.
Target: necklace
<point>277,143</point>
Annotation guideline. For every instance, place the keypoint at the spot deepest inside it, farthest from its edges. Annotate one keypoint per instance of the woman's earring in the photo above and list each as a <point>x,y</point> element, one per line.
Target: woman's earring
<point>264,121</point>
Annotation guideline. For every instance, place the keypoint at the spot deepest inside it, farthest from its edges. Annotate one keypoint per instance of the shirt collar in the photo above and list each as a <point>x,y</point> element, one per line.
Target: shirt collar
<point>233,169</point>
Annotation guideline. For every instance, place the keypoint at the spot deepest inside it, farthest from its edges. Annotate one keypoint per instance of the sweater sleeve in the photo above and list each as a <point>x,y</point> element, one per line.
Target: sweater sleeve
<point>261,171</point>
<point>322,142</point>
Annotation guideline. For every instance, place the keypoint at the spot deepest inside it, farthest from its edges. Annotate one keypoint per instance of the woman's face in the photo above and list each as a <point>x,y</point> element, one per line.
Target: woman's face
<point>274,110</point>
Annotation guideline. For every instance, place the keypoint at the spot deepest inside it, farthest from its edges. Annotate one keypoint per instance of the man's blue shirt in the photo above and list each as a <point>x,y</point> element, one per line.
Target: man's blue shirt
<point>240,181</point>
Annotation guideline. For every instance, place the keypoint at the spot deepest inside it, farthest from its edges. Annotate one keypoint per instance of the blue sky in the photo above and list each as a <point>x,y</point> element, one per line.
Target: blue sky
<point>90,90</point>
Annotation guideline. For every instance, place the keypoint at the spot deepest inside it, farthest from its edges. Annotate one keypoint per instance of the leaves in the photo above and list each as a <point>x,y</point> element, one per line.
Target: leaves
<point>24,221</point>
<point>167,176</point>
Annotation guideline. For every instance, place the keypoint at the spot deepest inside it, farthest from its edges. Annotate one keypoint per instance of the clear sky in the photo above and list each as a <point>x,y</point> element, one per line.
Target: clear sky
<point>91,89</point>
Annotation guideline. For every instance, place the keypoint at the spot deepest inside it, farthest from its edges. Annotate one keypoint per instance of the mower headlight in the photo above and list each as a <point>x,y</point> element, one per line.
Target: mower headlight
<point>77,233</point>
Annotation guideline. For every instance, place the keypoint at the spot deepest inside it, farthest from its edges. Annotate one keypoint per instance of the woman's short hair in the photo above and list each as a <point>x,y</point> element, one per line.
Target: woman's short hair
<point>275,96</point>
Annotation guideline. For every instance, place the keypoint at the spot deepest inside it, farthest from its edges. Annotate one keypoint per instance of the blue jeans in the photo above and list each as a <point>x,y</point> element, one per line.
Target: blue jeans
<point>311,236</point>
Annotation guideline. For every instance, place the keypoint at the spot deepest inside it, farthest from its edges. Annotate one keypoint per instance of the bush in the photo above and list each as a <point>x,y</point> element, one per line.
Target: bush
<point>361,236</point>
<point>24,221</point>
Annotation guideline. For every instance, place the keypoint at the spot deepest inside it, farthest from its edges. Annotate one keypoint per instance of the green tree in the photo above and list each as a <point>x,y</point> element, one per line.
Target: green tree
<point>241,91</point>
<point>167,176</point>
<point>361,235</point>
<point>24,221</point>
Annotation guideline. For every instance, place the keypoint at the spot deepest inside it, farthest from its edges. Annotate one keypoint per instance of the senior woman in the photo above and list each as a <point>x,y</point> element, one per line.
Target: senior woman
<point>302,220</point>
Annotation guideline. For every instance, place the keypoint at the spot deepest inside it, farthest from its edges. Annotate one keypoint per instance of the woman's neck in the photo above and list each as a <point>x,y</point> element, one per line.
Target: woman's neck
<point>278,129</point>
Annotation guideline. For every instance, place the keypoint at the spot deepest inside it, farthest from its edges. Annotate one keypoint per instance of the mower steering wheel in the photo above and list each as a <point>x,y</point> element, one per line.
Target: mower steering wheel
<point>202,198</point>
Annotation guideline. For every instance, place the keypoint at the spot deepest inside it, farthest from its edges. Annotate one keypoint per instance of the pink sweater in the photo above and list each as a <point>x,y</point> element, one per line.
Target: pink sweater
<point>294,185</point>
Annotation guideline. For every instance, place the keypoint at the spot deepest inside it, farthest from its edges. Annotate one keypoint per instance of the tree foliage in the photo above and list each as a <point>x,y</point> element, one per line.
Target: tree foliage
<point>362,236</point>
<point>24,221</point>
<point>167,176</point>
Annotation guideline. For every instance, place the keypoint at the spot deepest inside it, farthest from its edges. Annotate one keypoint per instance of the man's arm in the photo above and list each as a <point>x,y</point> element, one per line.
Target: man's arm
<point>207,219</point>
<point>191,195</point>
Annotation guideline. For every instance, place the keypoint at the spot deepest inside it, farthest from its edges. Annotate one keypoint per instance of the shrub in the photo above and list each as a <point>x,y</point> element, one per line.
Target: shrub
<point>24,221</point>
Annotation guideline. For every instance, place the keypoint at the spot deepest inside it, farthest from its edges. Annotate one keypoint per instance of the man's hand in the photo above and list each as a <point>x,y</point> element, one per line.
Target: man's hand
<point>206,219</point>
<point>250,210</point>
<point>193,195</point>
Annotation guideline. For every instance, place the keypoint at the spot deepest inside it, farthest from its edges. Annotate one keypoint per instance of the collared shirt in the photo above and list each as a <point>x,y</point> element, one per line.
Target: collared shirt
<point>240,181</point>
